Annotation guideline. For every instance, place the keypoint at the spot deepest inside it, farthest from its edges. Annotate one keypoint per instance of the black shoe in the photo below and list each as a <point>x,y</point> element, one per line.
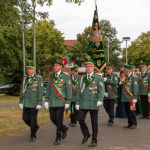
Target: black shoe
<point>37,128</point>
<point>85,138</point>
<point>142,117</point>
<point>57,142</point>
<point>110,122</point>
<point>73,125</point>
<point>93,144</point>
<point>64,133</point>
<point>127,127</point>
<point>133,127</point>
<point>32,139</point>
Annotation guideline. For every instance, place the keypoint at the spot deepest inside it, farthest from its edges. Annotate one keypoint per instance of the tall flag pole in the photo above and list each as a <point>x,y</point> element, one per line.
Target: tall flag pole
<point>95,48</point>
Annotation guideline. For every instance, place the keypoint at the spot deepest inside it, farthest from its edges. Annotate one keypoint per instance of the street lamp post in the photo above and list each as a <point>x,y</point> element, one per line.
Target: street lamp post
<point>108,49</point>
<point>126,39</point>
<point>34,33</point>
<point>22,5</point>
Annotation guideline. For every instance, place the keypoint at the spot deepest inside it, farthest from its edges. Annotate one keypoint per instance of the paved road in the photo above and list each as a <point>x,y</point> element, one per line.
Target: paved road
<point>109,138</point>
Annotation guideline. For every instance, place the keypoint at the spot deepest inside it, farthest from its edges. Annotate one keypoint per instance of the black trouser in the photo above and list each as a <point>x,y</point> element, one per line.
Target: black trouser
<point>130,114</point>
<point>145,105</point>
<point>30,118</point>
<point>109,105</point>
<point>94,121</point>
<point>57,116</point>
<point>74,113</point>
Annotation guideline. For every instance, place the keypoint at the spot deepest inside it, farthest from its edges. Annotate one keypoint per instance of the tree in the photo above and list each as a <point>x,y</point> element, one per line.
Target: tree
<point>140,49</point>
<point>49,44</point>
<point>9,38</point>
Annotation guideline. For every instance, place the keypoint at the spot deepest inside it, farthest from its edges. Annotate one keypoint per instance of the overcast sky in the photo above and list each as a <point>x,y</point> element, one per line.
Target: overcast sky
<point>129,17</point>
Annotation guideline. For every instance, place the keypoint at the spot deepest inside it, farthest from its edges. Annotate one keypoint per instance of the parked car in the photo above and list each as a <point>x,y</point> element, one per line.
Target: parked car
<point>10,89</point>
<point>13,86</point>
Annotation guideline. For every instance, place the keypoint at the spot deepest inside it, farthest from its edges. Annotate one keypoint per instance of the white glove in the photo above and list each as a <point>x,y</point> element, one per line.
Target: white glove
<point>38,107</point>
<point>148,94</point>
<point>105,79</point>
<point>21,106</point>
<point>99,103</point>
<point>77,107</point>
<point>67,106</point>
<point>106,94</point>
<point>46,104</point>
<point>134,100</point>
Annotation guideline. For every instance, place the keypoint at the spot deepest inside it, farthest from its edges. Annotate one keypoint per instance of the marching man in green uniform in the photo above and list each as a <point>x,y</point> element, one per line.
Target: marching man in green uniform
<point>111,80</point>
<point>58,97</point>
<point>144,90</point>
<point>90,97</point>
<point>129,97</point>
<point>31,97</point>
<point>74,85</point>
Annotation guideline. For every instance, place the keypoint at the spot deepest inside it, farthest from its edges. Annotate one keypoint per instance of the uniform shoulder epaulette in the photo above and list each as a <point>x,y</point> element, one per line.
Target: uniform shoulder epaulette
<point>99,74</point>
<point>38,76</point>
<point>115,74</point>
<point>66,73</point>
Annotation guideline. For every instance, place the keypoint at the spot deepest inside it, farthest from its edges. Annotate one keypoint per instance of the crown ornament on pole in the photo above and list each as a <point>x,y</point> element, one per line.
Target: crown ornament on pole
<point>95,34</point>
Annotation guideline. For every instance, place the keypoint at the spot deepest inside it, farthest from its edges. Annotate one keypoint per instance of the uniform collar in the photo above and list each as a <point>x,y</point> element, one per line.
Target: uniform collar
<point>58,73</point>
<point>129,74</point>
<point>31,76</point>
<point>144,72</point>
<point>90,74</point>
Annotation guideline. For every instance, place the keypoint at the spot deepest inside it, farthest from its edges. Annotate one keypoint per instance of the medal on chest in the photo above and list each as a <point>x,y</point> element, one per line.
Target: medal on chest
<point>93,87</point>
<point>59,82</point>
<point>34,85</point>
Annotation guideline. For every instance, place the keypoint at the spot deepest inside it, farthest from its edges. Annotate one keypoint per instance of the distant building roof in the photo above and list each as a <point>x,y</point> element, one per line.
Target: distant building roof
<point>70,42</point>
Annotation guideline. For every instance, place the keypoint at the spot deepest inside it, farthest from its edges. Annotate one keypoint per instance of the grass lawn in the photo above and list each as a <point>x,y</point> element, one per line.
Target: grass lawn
<point>11,118</point>
<point>8,99</point>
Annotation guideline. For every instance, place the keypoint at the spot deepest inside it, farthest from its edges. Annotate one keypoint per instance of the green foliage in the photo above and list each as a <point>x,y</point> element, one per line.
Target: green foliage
<point>9,38</point>
<point>140,49</point>
<point>75,1</point>
<point>49,44</point>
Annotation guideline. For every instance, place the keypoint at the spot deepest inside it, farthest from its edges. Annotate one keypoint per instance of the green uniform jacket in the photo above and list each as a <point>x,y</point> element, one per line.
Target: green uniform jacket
<point>132,86</point>
<point>65,86</point>
<point>112,81</point>
<point>74,84</point>
<point>88,96</point>
<point>145,77</point>
<point>31,93</point>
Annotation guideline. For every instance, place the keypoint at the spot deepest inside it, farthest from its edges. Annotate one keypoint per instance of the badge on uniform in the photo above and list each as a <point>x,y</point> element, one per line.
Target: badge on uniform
<point>93,87</point>
<point>59,82</point>
<point>34,85</point>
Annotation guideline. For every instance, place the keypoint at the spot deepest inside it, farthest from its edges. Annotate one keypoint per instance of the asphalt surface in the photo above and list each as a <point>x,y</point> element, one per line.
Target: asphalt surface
<point>109,138</point>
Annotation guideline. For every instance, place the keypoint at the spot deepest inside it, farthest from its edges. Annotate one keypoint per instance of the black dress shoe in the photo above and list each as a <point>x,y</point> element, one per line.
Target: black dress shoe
<point>109,124</point>
<point>37,128</point>
<point>127,127</point>
<point>32,139</point>
<point>148,117</point>
<point>64,133</point>
<point>133,127</point>
<point>85,138</point>
<point>93,144</point>
<point>142,117</point>
<point>73,125</point>
<point>57,142</point>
